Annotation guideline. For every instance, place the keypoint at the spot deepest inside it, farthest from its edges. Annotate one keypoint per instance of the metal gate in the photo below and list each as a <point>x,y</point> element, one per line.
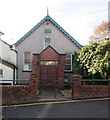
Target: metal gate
<point>50,91</point>
<point>48,87</point>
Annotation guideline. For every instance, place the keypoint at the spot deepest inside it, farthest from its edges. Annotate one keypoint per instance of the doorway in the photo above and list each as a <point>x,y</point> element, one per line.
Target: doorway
<point>48,73</point>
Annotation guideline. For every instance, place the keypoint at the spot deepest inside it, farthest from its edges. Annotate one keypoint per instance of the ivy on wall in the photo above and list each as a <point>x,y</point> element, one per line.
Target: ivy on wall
<point>93,61</point>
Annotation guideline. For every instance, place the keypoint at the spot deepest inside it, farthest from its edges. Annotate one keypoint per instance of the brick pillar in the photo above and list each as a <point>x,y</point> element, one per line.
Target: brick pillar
<point>60,82</point>
<point>35,64</point>
<point>34,82</point>
<point>76,85</point>
<point>35,70</point>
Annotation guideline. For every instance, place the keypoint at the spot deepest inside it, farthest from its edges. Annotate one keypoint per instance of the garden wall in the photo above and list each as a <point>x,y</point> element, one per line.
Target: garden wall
<point>20,93</point>
<point>88,91</point>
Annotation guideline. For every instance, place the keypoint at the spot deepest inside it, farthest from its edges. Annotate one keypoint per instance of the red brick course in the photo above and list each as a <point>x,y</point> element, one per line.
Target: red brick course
<point>88,91</point>
<point>91,91</point>
<point>49,54</point>
<point>20,94</point>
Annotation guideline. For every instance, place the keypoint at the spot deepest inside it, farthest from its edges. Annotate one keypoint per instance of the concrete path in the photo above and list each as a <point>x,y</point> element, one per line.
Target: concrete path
<point>51,94</point>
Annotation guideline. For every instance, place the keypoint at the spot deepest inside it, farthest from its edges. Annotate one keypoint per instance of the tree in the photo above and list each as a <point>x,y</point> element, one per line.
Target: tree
<point>100,32</point>
<point>95,60</point>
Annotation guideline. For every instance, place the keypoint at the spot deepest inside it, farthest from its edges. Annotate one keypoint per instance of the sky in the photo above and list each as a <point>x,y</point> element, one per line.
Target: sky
<point>77,17</point>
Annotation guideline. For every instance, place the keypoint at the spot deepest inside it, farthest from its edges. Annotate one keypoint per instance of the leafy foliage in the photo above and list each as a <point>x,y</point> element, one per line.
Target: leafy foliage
<point>93,61</point>
<point>100,32</point>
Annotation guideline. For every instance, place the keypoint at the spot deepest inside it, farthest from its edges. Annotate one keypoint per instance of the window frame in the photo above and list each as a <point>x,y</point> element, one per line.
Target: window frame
<point>1,71</point>
<point>46,44</point>
<point>47,31</point>
<point>27,64</point>
<point>49,63</point>
<point>71,63</point>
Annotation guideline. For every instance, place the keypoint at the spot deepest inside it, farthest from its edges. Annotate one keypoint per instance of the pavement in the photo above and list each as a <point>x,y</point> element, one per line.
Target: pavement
<point>85,109</point>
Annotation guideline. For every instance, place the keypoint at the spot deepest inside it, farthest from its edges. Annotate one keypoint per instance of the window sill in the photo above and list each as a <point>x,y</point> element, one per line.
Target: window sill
<point>27,71</point>
<point>67,71</point>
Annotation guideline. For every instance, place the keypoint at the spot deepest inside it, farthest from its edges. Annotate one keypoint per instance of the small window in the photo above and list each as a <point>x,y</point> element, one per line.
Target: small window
<point>47,31</point>
<point>68,62</point>
<point>67,67</point>
<point>1,72</point>
<point>49,63</point>
<point>47,42</point>
<point>27,61</point>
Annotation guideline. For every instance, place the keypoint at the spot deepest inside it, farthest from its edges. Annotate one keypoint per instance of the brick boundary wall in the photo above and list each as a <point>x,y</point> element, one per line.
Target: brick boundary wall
<point>20,93</point>
<point>80,91</point>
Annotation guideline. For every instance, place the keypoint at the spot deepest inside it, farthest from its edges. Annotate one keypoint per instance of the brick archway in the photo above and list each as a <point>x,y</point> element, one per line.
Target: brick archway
<point>49,67</point>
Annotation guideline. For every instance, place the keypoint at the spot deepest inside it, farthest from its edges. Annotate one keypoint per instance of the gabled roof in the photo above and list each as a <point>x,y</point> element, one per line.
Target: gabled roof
<point>51,48</point>
<point>57,25</point>
<point>47,48</point>
<point>9,64</point>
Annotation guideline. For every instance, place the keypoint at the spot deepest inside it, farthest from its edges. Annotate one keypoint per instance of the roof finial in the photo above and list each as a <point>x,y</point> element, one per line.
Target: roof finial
<point>47,11</point>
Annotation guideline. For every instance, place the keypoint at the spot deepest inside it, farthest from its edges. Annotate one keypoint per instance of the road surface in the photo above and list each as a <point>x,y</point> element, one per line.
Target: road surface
<point>82,109</point>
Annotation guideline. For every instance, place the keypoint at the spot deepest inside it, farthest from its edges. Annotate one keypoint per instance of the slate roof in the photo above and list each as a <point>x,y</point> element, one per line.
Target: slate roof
<point>56,24</point>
